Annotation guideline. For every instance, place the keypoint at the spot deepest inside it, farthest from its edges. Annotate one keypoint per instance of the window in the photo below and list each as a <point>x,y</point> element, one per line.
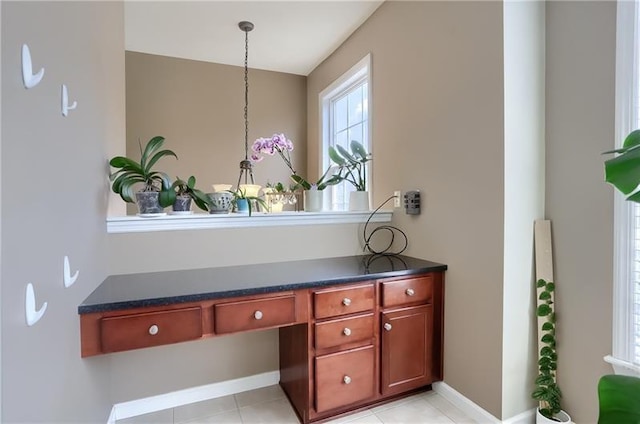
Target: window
<point>345,110</point>
<point>626,320</point>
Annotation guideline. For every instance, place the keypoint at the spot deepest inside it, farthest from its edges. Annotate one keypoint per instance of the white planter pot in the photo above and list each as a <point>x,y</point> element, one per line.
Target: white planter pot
<point>359,201</point>
<point>313,200</point>
<point>560,417</point>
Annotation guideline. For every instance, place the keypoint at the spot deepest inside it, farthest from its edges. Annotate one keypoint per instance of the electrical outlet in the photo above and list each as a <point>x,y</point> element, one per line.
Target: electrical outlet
<point>397,196</point>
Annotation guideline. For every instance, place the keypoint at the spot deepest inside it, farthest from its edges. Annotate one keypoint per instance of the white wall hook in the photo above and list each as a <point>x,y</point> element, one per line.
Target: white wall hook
<point>68,279</point>
<point>29,79</point>
<point>65,101</point>
<point>32,315</point>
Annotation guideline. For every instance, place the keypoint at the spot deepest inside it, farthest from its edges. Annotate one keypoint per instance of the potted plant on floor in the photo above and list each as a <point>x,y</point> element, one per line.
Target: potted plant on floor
<point>185,193</point>
<point>353,169</point>
<point>156,192</point>
<point>547,392</point>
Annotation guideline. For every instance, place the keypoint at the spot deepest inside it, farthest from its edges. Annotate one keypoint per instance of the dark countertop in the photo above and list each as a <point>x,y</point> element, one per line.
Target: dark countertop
<point>169,287</point>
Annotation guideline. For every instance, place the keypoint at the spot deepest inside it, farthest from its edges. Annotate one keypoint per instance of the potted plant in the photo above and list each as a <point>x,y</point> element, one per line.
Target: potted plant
<point>547,392</point>
<point>623,171</point>
<point>185,193</point>
<point>156,192</point>
<point>244,203</point>
<point>277,196</point>
<point>278,143</point>
<point>353,169</point>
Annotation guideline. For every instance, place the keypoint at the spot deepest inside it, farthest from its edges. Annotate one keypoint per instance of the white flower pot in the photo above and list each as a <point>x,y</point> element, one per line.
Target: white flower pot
<point>313,200</point>
<point>560,417</point>
<point>359,201</point>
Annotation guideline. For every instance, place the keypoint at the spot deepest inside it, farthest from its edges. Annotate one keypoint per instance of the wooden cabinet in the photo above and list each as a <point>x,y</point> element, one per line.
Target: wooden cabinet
<point>134,331</point>
<point>344,378</point>
<point>245,315</point>
<point>342,347</point>
<point>365,343</point>
<point>407,339</point>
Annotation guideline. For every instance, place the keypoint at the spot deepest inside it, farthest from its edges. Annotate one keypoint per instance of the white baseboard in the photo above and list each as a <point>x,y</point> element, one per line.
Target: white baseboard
<point>464,404</point>
<point>476,412</point>
<point>150,404</point>
<point>526,417</point>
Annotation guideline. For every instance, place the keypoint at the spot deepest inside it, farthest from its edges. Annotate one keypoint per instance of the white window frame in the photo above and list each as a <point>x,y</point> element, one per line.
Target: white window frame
<point>626,103</point>
<point>362,69</point>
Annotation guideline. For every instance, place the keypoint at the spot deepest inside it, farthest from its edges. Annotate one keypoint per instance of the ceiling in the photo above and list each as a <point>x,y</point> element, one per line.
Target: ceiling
<point>289,36</point>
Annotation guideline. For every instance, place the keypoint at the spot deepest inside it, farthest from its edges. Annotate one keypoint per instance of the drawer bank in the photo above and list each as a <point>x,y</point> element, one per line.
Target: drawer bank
<point>354,331</point>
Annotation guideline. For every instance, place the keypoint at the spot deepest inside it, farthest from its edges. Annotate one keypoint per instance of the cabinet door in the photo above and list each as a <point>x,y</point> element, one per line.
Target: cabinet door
<point>407,338</point>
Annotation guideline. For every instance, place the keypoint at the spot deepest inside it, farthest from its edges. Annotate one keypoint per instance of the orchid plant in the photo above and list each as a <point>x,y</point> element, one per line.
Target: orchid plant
<point>281,145</point>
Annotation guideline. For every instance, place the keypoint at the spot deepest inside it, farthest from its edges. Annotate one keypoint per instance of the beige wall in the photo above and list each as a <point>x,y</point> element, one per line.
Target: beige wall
<point>54,201</point>
<point>580,126</point>
<point>199,108</point>
<point>438,127</point>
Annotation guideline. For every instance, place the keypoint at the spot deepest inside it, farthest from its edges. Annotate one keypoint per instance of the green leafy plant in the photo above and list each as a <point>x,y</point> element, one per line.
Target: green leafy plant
<point>242,194</point>
<point>130,173</point>
<point>325,181</point>
<point>623,171</point>
<point>352,165</point>
<point>547,391</point>
<point>187,188</point>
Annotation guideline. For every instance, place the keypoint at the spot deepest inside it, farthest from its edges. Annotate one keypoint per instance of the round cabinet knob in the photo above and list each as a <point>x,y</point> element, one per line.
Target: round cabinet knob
<point>347,379</point>
<point>346,331</point>
<point>387,326</point>
<point>153,330</point>
<point>410,292</point>
<point>257,314</point>
<point>346,301</point>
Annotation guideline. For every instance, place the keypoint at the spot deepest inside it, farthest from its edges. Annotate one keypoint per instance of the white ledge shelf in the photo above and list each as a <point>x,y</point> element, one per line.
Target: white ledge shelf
<point>136,224</point>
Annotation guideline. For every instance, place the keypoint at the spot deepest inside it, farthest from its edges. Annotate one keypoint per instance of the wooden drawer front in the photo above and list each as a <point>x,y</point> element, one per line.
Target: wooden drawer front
<point>404,292</point>
<point>150,329</point>
<point>253,314</point>
<point>344,331</point>
<point>344,378</point>
<point>334,302</point>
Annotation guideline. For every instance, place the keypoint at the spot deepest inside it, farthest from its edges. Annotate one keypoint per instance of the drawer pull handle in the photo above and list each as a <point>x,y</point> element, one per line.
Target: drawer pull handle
<point>410,292</point>
<point>388,326</point>
<point>257,314</point>
<point>347,379</point>
<point>153,330</point>
<point>346,331</point>
<point>346,301</point>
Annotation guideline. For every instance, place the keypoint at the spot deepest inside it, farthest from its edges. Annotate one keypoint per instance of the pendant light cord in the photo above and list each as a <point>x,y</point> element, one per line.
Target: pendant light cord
<point>246,95</point>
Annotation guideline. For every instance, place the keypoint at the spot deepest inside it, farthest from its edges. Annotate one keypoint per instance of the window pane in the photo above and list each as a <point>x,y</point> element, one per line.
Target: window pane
<point>365,101</point>
<point>355,133</point>
<point>355,106</point>
<point>342,139</point>
<point>340,114</point>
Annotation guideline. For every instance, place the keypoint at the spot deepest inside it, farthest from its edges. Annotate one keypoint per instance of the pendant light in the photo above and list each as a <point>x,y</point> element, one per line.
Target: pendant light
<point>246,170</point>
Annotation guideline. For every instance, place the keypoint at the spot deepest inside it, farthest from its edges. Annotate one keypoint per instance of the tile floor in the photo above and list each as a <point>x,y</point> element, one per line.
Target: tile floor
<point>270,405</point>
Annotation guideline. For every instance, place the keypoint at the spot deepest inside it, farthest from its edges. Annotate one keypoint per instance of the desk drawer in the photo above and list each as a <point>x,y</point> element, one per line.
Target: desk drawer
<point>344,331</point>
<point>150,329</point>
<point>409,291</point>
<point>344,378</point>
<point>342,301</point>
<point>254,314</point>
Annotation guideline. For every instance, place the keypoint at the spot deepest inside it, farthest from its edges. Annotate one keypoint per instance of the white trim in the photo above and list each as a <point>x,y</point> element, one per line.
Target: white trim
<point>136,224</point>
<point>344,82</point>
<point>151,404</point>
<point>526,417</point>
<point>464,404</point>
<point>623,210</point>
<point>623,367</point>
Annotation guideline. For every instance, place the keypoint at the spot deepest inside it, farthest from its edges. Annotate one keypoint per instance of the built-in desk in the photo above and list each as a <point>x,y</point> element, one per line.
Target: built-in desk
<point>354,331</point>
